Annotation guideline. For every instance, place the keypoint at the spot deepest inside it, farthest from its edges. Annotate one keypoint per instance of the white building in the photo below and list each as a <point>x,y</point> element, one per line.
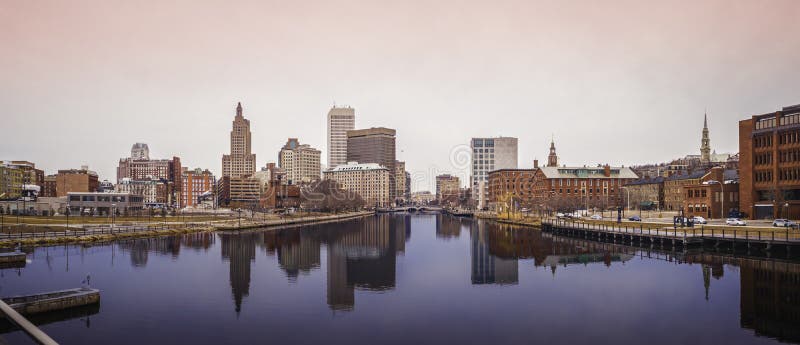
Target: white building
<point>140,151</point>
<point>370,181</point>
<point>489,154</point>
<point>340,120</point>
<point>300,162</point>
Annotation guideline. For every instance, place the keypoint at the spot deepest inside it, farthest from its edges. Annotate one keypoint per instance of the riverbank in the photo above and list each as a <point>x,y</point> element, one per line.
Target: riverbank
<point>227,225</point>
<point>527,221</point>
<point>246,224</point>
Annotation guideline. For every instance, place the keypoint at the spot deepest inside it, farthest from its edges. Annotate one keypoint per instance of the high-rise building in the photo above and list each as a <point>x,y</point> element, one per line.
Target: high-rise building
<point>340,120</point>
<point>705,143</point>
<point>369,180</point>
<point>140,151</point>
<point>374,145</point>
<point>300,162</point>
<point>241,161</point>
<point>401,180</point>
<point>490,154</point>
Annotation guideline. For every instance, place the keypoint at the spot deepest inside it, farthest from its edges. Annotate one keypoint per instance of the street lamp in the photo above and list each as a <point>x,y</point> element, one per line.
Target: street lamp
<point>628,191</point>
<point>113,215</point>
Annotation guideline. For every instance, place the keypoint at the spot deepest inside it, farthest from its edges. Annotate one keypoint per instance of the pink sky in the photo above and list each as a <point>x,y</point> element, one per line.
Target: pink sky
<point>621,82</point>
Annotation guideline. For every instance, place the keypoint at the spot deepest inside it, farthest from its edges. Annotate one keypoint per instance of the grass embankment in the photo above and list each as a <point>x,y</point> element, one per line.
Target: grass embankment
<point>107,220</point>
<point>99,237</point>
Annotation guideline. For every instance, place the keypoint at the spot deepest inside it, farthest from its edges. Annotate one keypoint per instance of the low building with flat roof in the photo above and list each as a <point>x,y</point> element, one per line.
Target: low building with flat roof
<point>104,203</point>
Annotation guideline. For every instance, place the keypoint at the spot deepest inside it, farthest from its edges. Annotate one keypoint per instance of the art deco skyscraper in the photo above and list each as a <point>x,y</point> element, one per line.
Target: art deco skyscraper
<point>340,120</point>
<point>241,162</point>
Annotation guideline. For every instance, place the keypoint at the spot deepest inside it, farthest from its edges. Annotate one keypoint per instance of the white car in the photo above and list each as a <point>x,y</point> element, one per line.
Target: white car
<point>699,220</point>
<point>596,217</point>
<point>735,222</point>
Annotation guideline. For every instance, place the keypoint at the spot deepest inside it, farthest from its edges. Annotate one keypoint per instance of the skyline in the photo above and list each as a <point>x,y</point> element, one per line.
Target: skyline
<point>157,74</point>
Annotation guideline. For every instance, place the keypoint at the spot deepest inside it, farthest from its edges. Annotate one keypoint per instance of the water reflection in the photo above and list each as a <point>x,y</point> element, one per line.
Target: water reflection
<point>488,266</point>
<point>239,250</point>
<point>362,255</point>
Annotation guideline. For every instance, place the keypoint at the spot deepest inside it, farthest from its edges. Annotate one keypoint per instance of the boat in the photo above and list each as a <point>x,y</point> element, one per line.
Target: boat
<point>56,300</point>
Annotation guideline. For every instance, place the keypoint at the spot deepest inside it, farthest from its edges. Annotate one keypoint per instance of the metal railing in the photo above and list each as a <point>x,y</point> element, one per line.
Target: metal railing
<point>785,236</point>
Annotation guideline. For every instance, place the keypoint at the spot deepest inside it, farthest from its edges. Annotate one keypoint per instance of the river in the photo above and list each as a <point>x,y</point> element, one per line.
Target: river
<point>408,279</point>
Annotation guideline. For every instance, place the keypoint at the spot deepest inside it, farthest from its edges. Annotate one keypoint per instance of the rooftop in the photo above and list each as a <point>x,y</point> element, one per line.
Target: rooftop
<point>351,166</point>
<point>588,172</point>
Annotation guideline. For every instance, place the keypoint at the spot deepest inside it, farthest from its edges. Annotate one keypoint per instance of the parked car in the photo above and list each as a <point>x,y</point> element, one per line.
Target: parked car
<point>596,217</point>
<point>699,220</point>
<point>635,218</point>
<point>735,222</point>
<point>784,223</point>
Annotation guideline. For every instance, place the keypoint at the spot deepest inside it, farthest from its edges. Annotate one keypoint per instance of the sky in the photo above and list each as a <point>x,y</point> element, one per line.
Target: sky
<point>617,82</point>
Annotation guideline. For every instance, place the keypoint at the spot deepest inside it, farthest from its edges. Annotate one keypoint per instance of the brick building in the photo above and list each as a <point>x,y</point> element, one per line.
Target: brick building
<point>49,188</point>
<point>571,188</point>
<point>645,193</point>
<point>716,194</point>
<point>673,189</point>
<point>168,170</point>
<point>196,184</point>
<point>80,180</point>
<point>447,188</point>
<point>506,185</point>
<point>769,164</point>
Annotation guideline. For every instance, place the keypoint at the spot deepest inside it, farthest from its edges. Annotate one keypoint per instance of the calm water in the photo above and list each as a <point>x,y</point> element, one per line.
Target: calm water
<point>408,279</point>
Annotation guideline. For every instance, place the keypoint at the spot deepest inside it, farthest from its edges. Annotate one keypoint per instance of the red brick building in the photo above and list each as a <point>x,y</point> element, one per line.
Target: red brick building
<point>769,164</point>
<point>507,185</point>
<point>715,196</point>
<point>196,183</point>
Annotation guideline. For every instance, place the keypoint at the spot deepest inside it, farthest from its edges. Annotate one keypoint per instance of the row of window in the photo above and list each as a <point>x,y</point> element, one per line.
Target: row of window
<point>791,137</point>
<point>103,198</point>
<point>765,123</point>
<point>789,156</point>
<point>789,174</point>
<point>763,176</point>
<point>696,193</point>
<point>763,141</point>
<point>763,158</point>
<point>790,119</point>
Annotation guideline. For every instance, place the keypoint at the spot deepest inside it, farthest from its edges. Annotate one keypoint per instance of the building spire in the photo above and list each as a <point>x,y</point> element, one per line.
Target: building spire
<point>239,109</point>
<point>705,142</point>
<point>552,159</point>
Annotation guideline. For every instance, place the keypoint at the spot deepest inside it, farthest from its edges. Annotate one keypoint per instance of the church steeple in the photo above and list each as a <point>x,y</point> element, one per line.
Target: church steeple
<point>552,159</point>
<point>705,142</point>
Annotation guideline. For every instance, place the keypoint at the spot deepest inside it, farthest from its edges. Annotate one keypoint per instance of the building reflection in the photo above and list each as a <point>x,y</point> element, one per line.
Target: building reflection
<point>363,256</point>
<point>487,266</point>
<point>512,243</point>
<point>450,227</point>
<point>239,249</point>
<point>140,249</point>
<point>769,293</point>
<point>297,250</point>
